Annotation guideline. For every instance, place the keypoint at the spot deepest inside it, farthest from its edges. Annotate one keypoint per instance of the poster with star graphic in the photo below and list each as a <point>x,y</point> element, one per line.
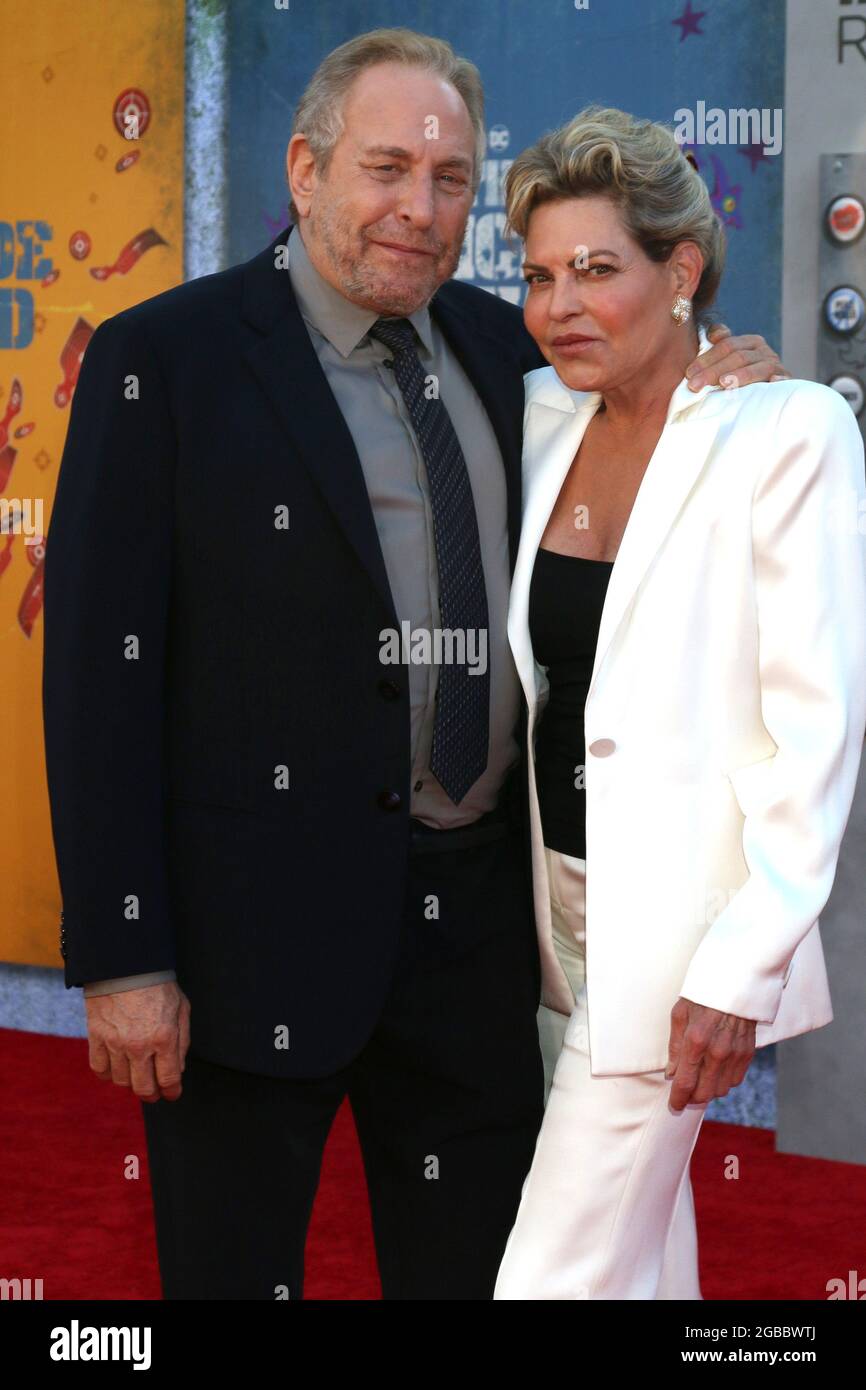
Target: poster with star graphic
<point>91,221</point>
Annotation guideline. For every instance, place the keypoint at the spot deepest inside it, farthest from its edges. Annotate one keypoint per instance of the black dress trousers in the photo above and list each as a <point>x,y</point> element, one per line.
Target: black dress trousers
<point>447,1095</point>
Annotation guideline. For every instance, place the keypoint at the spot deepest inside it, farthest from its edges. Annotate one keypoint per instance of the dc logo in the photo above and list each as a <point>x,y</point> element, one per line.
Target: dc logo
<point>498,137</point>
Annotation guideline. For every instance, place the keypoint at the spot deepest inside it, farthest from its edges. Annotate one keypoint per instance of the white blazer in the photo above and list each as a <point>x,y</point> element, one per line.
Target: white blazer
<point>726,711</point>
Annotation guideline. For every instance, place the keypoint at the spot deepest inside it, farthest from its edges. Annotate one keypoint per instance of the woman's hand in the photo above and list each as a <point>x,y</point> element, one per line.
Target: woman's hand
<point>708,1053</point>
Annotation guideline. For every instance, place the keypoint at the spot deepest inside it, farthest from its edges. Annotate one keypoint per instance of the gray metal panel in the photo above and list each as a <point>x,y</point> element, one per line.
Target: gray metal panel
<point>821,1076</point>
<point>841,265</point>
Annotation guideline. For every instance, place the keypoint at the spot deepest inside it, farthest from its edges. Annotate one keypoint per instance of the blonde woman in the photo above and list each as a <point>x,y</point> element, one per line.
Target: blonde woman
<point>688,618</point>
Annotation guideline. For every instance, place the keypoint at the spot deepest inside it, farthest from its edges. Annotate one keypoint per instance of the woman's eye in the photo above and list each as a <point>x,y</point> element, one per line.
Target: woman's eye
<point>603,268</point>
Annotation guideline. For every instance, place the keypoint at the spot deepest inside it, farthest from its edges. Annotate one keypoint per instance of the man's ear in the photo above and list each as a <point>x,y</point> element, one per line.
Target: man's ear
<point>301,173</point>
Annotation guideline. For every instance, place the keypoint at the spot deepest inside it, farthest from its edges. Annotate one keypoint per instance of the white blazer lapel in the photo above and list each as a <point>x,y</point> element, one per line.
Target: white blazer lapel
<point>553,428</point>
<point>555,421</point>
<point>677,461</point>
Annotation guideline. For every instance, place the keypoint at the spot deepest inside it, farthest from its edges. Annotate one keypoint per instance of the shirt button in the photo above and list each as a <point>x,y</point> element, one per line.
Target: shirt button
<point>602,747</point>
<point>418,786</point>
<point>389,800</point>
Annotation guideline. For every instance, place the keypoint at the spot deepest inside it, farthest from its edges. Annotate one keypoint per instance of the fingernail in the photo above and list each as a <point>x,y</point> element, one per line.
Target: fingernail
<point>696,382</point>
<point>778,378</point>
<point>690,371</point>
<point>727,381</point>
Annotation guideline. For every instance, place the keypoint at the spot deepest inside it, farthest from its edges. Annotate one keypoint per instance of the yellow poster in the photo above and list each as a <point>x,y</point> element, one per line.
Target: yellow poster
<point>91,221</point>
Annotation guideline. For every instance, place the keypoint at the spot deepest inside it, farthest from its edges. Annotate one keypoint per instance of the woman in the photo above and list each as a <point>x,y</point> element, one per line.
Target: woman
<point>688,617</point>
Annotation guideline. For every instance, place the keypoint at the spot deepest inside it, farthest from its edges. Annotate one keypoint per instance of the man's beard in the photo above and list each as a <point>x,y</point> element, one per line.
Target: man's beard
<point>361,281</point>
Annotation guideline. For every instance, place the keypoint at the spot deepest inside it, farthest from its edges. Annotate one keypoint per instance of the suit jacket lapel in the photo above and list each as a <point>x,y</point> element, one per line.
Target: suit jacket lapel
<point>285,363</point>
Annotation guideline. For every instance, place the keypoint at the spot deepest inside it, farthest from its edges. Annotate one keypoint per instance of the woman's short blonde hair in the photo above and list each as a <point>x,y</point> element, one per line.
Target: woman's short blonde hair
<point>638,165</point>
<point>319,113</point>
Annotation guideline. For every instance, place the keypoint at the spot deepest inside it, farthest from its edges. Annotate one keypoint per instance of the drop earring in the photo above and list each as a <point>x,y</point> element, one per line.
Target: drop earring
<point>681,309</point>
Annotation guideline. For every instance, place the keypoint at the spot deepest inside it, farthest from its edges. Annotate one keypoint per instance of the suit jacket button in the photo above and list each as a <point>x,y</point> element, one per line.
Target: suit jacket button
<point>602,747</point>
<point>390,800</point>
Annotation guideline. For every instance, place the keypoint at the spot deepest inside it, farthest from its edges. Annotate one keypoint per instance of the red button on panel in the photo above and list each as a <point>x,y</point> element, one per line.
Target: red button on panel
<point>846,218</point>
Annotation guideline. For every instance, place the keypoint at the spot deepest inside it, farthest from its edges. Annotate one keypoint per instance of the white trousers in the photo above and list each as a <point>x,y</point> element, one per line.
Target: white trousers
<point>606,1210</point>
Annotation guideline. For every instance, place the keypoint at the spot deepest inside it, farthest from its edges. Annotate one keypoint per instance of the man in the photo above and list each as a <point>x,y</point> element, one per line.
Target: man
<point>271,830</point>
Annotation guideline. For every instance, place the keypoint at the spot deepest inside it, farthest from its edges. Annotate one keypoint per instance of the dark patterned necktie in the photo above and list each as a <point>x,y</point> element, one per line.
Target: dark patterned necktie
<point>460,731</point>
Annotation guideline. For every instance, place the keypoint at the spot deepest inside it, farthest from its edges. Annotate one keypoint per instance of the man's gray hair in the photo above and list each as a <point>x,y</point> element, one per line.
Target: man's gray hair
<point>319,113</point>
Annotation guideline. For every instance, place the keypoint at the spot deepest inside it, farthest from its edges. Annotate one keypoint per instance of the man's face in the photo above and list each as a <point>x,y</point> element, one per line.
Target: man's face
<point>385,225</point>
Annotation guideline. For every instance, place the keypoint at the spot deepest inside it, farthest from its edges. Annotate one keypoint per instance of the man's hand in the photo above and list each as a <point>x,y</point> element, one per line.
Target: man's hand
<point>734,361</point>
<point>139,1038</point>
<point>708,1053</point>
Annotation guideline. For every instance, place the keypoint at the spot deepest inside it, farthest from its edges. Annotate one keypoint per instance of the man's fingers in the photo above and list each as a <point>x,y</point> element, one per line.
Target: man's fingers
<point>168,1069</point>
<point>119,1067</point>
<point>746,358</point>
<point>745,376</point>
<point>144,1082</point>
<point>718,331</point>
<point>100,1062</point>
<point>727,346</point>
<point>734,368</point>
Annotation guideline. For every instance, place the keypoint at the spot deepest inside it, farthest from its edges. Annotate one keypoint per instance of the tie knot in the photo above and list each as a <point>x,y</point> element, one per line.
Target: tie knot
<point>398,335</point>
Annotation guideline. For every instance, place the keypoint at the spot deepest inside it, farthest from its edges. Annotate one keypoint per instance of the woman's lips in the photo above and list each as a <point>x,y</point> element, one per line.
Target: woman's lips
<point>572,345</point>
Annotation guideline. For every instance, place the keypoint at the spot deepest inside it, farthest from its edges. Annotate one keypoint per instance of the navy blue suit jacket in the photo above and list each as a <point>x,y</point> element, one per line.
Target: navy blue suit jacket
<point>192,648</point>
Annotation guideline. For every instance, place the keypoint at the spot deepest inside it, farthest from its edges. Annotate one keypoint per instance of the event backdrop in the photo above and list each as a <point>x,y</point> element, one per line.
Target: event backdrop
<point>541,61</point>
<point>91,220</point>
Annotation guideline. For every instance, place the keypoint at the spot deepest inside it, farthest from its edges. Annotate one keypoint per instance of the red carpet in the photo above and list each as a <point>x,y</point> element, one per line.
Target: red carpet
<point>69,1217</point>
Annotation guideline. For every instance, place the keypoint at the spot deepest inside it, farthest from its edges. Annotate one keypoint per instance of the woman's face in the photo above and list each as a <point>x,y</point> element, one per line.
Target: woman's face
<point>598,307</point>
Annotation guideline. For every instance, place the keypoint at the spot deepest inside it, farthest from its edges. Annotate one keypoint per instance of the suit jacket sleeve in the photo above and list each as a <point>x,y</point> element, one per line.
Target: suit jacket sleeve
<point>810,586</point>
<point>107,583</point>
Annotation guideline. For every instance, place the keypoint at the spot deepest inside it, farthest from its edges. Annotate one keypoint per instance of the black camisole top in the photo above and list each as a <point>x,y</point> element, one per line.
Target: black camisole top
<point>566,597</point>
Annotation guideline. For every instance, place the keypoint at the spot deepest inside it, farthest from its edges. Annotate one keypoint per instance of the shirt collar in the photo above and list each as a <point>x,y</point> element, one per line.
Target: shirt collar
<point>339,320</point>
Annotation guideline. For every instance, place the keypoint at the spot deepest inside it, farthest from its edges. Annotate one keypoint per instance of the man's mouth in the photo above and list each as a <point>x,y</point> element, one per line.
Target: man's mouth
<point>400,249</point>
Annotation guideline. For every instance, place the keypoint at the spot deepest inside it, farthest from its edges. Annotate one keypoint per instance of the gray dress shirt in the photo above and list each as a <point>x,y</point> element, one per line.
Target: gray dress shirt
<point>396,478</point>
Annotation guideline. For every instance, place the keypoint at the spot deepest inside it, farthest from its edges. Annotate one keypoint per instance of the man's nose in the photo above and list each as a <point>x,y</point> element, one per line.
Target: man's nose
<point>416,202</point>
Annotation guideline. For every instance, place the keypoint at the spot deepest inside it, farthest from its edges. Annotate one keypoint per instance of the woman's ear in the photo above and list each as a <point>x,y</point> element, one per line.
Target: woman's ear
<point>687,264</point>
